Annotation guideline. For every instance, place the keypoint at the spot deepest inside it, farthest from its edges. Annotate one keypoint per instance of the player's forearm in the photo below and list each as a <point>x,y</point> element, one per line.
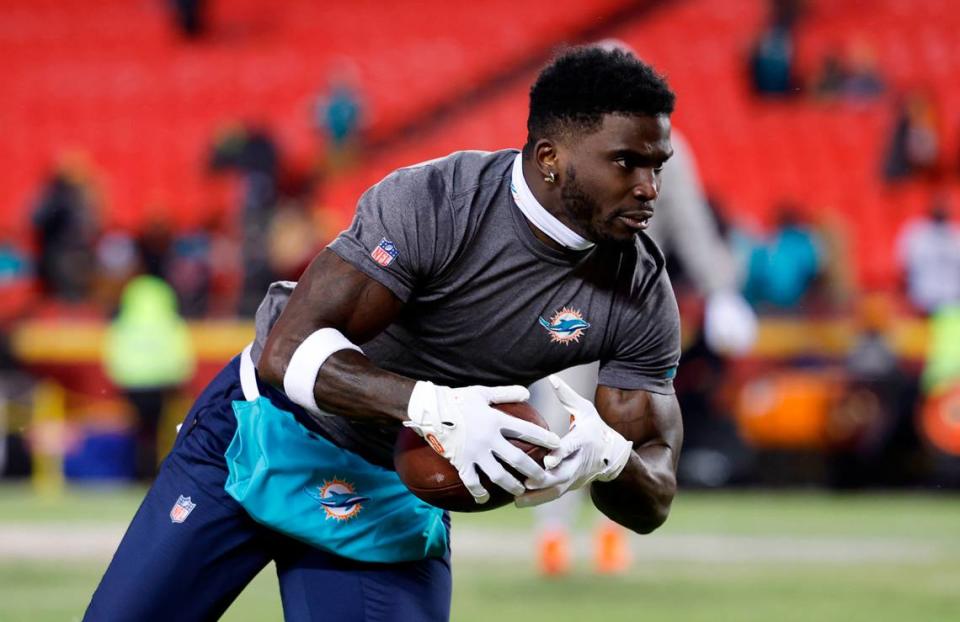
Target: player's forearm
<point>348,384</point>
<point>640,497</point>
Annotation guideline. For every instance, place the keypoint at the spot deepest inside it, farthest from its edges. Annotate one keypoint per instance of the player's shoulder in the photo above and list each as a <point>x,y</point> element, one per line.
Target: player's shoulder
<point>647,256</point>
<point>459,172</point>
<point>644,266</point>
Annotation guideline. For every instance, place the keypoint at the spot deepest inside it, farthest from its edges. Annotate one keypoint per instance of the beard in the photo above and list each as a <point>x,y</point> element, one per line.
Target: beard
<point>582,211</point>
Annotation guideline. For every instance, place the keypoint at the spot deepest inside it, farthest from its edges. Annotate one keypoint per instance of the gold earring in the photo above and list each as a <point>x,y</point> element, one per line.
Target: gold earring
<point>550,177</point>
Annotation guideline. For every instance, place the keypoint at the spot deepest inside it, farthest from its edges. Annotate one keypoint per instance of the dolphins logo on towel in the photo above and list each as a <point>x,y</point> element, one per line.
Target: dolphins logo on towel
<point>565,326</point>
<point>338,498</point>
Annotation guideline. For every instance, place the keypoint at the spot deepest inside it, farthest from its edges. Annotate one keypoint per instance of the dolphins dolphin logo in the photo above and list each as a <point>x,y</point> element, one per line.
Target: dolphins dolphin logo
<point>565,326</point>
<point>341,500</point>
<point>338,498</point>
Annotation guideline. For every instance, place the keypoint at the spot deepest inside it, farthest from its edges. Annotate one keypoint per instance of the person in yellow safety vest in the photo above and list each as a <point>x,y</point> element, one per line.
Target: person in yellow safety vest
<point>148,354</point>
<point>942,367</point>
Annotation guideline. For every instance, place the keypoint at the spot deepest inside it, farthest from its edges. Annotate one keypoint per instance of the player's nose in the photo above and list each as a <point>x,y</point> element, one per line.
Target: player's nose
<point>645,189</point>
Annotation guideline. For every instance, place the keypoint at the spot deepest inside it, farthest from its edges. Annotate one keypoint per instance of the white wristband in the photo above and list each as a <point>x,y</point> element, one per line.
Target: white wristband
<point>305,364</point>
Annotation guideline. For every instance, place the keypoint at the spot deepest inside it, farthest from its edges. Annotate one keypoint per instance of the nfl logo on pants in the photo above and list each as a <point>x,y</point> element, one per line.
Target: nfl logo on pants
<point>181,509</point>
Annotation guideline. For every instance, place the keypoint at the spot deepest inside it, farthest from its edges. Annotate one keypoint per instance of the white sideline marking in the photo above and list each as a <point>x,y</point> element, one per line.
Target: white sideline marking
<point>711,548</point>
<point>69,541</point>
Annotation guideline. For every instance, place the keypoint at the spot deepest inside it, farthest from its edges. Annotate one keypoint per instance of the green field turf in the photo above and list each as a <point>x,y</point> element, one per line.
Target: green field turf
<point>774,579</point>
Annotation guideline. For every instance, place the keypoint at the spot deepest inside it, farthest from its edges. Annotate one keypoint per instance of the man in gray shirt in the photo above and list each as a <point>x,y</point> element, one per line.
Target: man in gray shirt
<point>459,280</point>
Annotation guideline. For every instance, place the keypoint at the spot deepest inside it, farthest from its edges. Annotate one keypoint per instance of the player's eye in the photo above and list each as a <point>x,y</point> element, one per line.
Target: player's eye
<point>658,170</point>
<point>621,162</point>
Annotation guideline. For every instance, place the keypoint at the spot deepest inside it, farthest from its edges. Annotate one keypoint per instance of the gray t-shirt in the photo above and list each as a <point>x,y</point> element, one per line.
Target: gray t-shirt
<point>486,301</point>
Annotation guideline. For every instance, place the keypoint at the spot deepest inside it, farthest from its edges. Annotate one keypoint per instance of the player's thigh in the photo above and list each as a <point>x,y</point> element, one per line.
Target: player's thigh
<point>318,586</point>
<point>186,555</point>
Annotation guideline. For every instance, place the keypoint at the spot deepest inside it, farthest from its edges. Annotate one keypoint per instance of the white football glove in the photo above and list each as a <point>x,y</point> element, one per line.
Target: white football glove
<point>591,450</point>
<point>462,427</point>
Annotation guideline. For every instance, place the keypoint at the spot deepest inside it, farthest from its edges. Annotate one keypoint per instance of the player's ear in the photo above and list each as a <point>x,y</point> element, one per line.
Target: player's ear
<point>546,158</point>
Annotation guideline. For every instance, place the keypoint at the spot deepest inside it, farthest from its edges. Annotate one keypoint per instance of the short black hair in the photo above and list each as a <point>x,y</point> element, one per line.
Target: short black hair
<point>584,83</point>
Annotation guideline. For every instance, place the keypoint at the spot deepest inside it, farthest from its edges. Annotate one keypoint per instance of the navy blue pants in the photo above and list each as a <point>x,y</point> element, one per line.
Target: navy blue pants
<point>193,567</point>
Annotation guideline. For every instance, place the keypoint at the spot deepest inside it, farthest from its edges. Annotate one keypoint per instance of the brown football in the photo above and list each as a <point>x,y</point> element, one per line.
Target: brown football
<point>432,478</point>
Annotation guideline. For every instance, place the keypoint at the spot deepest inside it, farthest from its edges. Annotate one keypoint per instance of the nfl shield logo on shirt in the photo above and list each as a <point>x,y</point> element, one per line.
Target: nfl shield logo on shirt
<point>181,509</point>
<point>385,252</point>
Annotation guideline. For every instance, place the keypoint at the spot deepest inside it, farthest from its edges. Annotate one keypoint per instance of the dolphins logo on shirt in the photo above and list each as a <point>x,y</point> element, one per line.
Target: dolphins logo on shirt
<point>565,326</point>
<point>338,498</point>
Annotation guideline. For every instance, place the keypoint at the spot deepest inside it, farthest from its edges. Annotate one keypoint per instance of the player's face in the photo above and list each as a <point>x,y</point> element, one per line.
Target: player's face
<point>612,176</point>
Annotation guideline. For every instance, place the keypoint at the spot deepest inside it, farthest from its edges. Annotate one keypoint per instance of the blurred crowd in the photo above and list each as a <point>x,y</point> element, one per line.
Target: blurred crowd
<point>927,248</point>
<point>145,286</point>
<point>850,73</point>
<point>880,416</point>
<point>218,269</point>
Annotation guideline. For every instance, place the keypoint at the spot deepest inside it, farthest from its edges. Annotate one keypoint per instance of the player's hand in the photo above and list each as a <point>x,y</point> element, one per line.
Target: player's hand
<point>462,427</point>
<point>591,450</point>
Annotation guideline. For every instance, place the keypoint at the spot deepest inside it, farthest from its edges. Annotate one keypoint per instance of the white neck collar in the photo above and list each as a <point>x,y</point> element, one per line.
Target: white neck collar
<point>539,216</point>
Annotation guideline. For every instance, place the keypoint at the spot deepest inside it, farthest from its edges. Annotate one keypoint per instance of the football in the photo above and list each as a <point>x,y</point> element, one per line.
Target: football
<point>432,478</point>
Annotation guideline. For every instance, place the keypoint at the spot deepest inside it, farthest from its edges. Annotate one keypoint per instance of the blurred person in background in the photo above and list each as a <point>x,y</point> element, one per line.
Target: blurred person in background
<point>190,17</point>
<point>118,261</point>
<point>203,265</point>
<point>928,252</point>
<point>940,385</point>
<point>154,245</point>
<point>14,264</point>
<point>148,355</point>
<point>835,287</point>
<point>190,271</point>
<point>338,114</point>
<point>863,79</point>
<point>786,13</point>
<point>771,63</point>
<point>684,228</point>
<point>914,144</point>
<point>182,259</point>
<point>16,388</point>
<point>772,58</point>
<point>854,77</point>
<point>292,240</point>
<point>254,154</point>
<point>870,431</point>
<point>687,230</point>
<point>830,76</point>
<point>16,278</point>
<point>942,365</point>
<point>65,230</point>
<point>783,267</point>
<point>16,293</point>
